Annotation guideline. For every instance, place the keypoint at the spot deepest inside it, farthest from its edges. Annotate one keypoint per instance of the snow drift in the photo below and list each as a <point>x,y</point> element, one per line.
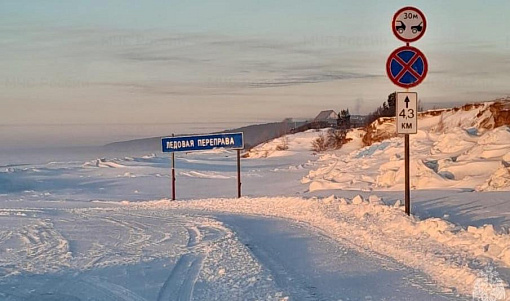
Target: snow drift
<point>465,148</point>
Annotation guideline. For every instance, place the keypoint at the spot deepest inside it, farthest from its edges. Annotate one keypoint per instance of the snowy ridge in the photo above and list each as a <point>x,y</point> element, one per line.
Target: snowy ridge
<point>482,116</point>
<point>285,146</point>
<point>103,163</point>
<point>455,160</point>
<point>301,143</point>
<point>451,255</point>
<point>453,149</point>
<point>205,175</point>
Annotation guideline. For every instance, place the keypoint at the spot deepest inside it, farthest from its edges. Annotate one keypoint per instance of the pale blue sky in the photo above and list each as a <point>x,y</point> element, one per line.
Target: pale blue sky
<point>165,62</point>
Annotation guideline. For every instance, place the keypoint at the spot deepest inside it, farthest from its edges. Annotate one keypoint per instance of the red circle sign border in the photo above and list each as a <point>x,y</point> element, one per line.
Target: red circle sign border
<point>395,20</point>
<point>394,54</point>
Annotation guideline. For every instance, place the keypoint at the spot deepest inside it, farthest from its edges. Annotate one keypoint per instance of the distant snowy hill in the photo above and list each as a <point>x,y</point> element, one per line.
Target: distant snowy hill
<point>253,135</point>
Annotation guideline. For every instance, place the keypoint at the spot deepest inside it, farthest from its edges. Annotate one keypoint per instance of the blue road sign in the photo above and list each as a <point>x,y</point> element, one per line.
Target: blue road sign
<point>198,143</point>
<point>407,67</point>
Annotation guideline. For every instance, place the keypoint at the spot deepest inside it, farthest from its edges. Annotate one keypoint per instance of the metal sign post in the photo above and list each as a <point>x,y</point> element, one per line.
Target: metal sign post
<point>407,116</point>
<point>408,176</point>
<point>197,143</point>
<point>407,123</point>
<point>407,67</point>
<point>173,174</point>
<point>238,173</point>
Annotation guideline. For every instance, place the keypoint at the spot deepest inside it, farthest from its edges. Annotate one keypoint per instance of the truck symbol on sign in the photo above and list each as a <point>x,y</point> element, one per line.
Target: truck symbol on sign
<point>401,28</point>
<point>417,28</point>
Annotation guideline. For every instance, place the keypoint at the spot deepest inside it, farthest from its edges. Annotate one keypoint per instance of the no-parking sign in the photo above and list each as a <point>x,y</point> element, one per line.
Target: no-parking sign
<point>407,67</point>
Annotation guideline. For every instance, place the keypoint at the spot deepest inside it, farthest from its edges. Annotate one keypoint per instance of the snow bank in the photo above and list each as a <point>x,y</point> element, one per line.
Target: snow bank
<point>286,145</point>
<point>460,158</point>
<point>302,143</point>
<point>103,163</point>
<point>451,255</point>
<point>204,175</point>
<point>499,180</point>
<point>453,149</point>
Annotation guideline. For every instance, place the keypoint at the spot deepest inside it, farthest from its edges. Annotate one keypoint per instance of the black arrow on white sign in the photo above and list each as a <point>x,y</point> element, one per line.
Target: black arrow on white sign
<point>407,102</point>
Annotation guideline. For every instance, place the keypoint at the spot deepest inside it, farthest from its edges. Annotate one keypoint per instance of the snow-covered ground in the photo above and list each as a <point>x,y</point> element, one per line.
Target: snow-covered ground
<point>310,226</point>
<point>451,150</point>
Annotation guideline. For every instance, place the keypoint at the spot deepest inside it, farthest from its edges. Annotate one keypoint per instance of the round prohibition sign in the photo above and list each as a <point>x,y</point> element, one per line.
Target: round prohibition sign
<point>409,24</point>
<point>407,67</point>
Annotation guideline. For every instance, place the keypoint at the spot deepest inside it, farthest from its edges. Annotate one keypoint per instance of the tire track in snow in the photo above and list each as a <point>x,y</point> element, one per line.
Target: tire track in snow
<point>180,283</point>
<point>43,243</point>
<point>138,233</point>
<point>140,237</point>
<point>287,280</point>
<point>194,237</point>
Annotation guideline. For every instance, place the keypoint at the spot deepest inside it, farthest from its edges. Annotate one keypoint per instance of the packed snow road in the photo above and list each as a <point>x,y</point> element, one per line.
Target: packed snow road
<point>307,265</point>
<point>141,254</point>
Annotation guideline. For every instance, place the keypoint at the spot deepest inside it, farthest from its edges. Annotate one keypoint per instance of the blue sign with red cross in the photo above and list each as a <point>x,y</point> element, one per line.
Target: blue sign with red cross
<point>407,67</point>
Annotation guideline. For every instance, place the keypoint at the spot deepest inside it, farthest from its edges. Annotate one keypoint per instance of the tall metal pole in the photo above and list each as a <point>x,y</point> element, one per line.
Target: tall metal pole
<point>238,173</point>
<point>173,174</point>
<point>407,174</point>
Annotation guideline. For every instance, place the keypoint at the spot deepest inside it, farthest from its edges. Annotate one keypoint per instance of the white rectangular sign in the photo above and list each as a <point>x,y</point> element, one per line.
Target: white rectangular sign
<point>407,116</point>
